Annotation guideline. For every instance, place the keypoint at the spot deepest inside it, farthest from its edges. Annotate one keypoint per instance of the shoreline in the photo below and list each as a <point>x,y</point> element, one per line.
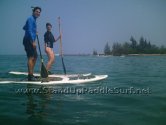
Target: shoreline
<point>146,55</point>
<point>123,55</point>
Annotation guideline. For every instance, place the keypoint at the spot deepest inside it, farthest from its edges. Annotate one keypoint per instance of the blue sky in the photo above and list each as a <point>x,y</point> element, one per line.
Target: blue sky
<point>86,24</point>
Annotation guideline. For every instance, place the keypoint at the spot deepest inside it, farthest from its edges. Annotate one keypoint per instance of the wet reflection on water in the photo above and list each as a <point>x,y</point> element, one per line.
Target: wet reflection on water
<point>39,105</point>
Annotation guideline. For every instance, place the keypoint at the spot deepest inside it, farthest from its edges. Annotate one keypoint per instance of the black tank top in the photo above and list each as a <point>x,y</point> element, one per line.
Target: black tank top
<point>49,39</point>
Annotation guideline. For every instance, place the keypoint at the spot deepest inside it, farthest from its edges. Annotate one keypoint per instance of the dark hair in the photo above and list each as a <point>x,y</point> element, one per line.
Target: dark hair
<point>35,8</point>
<point>48,24</point>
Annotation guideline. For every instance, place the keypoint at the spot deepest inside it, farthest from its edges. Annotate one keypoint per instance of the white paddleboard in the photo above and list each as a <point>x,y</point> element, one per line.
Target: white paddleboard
<point>64,80</point>
<point>53,75</point>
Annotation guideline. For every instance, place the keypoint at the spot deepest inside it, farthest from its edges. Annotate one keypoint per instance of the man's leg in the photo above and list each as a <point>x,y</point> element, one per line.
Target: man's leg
<point>31,55</point>
<point>31,65</point>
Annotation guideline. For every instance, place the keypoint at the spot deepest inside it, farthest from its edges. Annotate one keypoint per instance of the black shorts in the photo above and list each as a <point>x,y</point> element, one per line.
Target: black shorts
<point>30,51</point>
<point>49,44</point>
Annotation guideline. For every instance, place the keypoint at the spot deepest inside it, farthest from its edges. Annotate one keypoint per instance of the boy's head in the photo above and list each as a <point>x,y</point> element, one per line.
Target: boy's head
<point>48,26</point>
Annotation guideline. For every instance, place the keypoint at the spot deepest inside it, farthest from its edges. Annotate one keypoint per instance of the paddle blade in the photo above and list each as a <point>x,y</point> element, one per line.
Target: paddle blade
<point>44,72</point>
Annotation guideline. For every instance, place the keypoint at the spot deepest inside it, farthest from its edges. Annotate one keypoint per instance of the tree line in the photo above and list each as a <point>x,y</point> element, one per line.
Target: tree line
<point>133,47</point>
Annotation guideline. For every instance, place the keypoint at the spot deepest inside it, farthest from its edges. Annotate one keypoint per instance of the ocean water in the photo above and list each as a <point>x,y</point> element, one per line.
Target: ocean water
<point>133,93</point>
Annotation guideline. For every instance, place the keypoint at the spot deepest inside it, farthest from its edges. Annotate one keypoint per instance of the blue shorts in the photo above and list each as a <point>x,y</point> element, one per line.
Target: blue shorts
<point>30,51</point>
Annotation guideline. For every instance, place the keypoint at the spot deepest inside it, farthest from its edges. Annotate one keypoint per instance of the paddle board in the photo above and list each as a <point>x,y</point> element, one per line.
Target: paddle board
<point>53,75</point>
<point>62,80</point>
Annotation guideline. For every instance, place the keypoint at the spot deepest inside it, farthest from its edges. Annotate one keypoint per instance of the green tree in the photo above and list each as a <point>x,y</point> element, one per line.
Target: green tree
<point>149,45</point>
<point>107,50</point>
<point>162,50</point>
<point>117,49</point>
<point>95,52</point>
<point>143,47</point>
<point>133,42</point>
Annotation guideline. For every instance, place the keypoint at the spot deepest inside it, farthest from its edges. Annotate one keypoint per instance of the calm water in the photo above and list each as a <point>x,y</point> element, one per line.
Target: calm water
<point>115,108</point>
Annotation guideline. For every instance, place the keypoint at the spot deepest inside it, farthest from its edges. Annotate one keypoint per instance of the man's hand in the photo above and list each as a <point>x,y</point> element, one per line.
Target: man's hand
<point>34,45</point>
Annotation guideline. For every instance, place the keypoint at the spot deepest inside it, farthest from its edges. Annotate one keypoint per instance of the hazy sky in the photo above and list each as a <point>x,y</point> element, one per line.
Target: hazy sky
<point>86,24</point>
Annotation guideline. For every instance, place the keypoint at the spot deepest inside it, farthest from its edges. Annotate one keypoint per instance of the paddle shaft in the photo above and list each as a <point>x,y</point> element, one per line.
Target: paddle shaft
<point>44,72</point>
<point>61,51</point>
<point>39,49</point>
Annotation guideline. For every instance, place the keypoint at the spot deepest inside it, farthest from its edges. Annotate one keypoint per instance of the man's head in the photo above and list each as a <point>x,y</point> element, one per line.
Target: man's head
<point>36,11</point>
<point>48,26</point>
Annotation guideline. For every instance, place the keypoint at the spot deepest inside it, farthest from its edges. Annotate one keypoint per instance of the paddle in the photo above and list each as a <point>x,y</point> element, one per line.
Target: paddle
<point>43,72</point>
<point>61,52</point>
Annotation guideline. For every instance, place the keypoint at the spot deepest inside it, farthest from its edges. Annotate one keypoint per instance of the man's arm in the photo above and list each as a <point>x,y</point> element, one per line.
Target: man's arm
<point>30,29</point>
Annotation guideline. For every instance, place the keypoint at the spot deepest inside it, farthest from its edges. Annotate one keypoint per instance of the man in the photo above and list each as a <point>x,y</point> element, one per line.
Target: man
<point>29,41</point>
